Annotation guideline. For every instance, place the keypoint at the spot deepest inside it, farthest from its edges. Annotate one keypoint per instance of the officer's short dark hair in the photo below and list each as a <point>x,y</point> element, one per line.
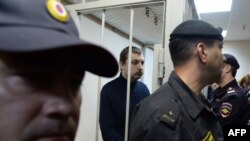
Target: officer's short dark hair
<point>232,61</point>
<point>124,53</point>
<point>181,49</point>
<point>187,35</point>
<point>234,72</point>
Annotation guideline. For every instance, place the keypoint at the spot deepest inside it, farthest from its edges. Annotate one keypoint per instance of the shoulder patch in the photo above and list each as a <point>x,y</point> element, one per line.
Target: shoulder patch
<point>209,137</point>
<point>167,105</point>
<point>230,94</point>
<point>225,109</point>
<point>170,116</point>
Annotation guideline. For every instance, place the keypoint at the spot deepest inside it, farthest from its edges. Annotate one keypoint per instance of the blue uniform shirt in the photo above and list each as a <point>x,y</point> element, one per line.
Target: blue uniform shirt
<point>113,106</point>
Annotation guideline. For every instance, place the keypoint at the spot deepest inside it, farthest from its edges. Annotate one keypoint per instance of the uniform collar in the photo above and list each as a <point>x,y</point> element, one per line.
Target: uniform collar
<point>219,92</point>
<point>191,102</point>
<point>233,83</point>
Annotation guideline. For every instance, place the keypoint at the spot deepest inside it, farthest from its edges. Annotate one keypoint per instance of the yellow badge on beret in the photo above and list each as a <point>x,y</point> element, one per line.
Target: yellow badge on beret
<point>57,10</point>
<point>225,109</point>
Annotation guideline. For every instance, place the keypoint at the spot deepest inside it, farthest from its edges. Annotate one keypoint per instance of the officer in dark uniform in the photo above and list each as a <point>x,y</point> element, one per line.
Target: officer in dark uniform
<point>229,102</point>
<point>176,112</point>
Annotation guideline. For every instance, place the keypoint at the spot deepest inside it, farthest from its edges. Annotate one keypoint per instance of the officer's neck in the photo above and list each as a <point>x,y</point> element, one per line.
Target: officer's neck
<point>225,80</point>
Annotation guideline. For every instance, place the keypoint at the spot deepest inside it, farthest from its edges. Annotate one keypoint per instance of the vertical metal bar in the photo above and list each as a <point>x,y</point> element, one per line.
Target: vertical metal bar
<point>163,25</point>
<point>99,82</point>
<point>129,72</point>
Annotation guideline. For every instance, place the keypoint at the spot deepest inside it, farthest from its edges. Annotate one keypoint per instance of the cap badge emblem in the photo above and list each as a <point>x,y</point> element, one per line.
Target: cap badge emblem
<point>57,10</point>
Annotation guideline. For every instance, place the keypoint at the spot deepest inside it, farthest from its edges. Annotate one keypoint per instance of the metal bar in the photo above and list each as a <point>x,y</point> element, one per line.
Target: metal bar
<point>110,27</point>
<point>129,72</point>
<point>109,4</point>
<point>164,20</point>
<point>99,82</point>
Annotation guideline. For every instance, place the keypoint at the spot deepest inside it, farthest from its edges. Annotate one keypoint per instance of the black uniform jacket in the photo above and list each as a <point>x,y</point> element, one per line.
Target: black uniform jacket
<point>230,104</point>
<point>174,113</point>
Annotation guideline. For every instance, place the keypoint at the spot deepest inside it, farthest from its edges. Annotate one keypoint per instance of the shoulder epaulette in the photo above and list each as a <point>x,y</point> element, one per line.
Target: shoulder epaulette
<point>231,93</point>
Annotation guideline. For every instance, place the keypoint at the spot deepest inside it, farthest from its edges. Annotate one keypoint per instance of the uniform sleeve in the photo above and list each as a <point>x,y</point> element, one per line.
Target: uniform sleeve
<point>151,126</point>
<point>232,108</point>
<point>106,119</point>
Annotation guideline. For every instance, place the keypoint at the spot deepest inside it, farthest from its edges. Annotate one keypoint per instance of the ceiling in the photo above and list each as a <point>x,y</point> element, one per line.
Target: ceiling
<point>148,21</point>
<point>236,22</point>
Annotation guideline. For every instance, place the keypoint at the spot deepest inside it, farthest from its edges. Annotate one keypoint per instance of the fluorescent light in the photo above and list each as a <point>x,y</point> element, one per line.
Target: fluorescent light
<point>224,33</point>
<point>209,6</point>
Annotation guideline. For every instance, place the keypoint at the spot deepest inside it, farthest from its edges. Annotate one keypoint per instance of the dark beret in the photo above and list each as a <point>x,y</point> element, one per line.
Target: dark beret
<point>196,28</point>
<point>231,60</point>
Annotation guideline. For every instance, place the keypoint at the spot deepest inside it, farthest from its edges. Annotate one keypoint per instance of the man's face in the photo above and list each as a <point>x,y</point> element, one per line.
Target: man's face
<point>215,62</point>
<point>137,62</point>
<point>39,101</point>
<point>226,69</point>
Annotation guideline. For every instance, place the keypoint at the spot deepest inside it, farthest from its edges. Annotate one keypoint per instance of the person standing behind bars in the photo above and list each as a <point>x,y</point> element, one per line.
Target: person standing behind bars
<point>114,93</point>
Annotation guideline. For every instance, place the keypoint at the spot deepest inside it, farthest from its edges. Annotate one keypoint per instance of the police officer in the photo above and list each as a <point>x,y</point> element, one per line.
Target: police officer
<point>176,112</point>
<point>229,101</point>
<point>42,65</point>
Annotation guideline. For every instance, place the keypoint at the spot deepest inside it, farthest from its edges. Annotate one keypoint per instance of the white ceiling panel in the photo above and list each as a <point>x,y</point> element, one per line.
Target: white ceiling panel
<point>213,18</point>
<point>238,35</point>
<point>237,21</point>
<point>148,22</point>
<point>240,5</point>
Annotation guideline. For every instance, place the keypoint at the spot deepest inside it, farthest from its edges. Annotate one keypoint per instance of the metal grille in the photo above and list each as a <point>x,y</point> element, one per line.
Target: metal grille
<point>148,22</point>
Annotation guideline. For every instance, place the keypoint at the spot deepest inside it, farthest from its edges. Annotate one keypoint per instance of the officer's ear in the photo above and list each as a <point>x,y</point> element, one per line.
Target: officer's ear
<point>228,68</point>
<point>201,52</point>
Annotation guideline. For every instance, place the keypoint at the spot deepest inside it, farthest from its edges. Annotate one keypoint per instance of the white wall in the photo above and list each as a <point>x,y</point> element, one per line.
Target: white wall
<point>158,66</point>
<point>241,50</point>
<point>148,67</point>
<point>91,31</point>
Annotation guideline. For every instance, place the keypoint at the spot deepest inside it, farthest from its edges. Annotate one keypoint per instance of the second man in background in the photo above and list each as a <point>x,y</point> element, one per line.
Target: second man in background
<point>113,96</point>
<point>229,101</point>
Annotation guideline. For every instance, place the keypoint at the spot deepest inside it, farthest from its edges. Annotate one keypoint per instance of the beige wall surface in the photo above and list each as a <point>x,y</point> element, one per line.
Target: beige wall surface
<point>241,50</point>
